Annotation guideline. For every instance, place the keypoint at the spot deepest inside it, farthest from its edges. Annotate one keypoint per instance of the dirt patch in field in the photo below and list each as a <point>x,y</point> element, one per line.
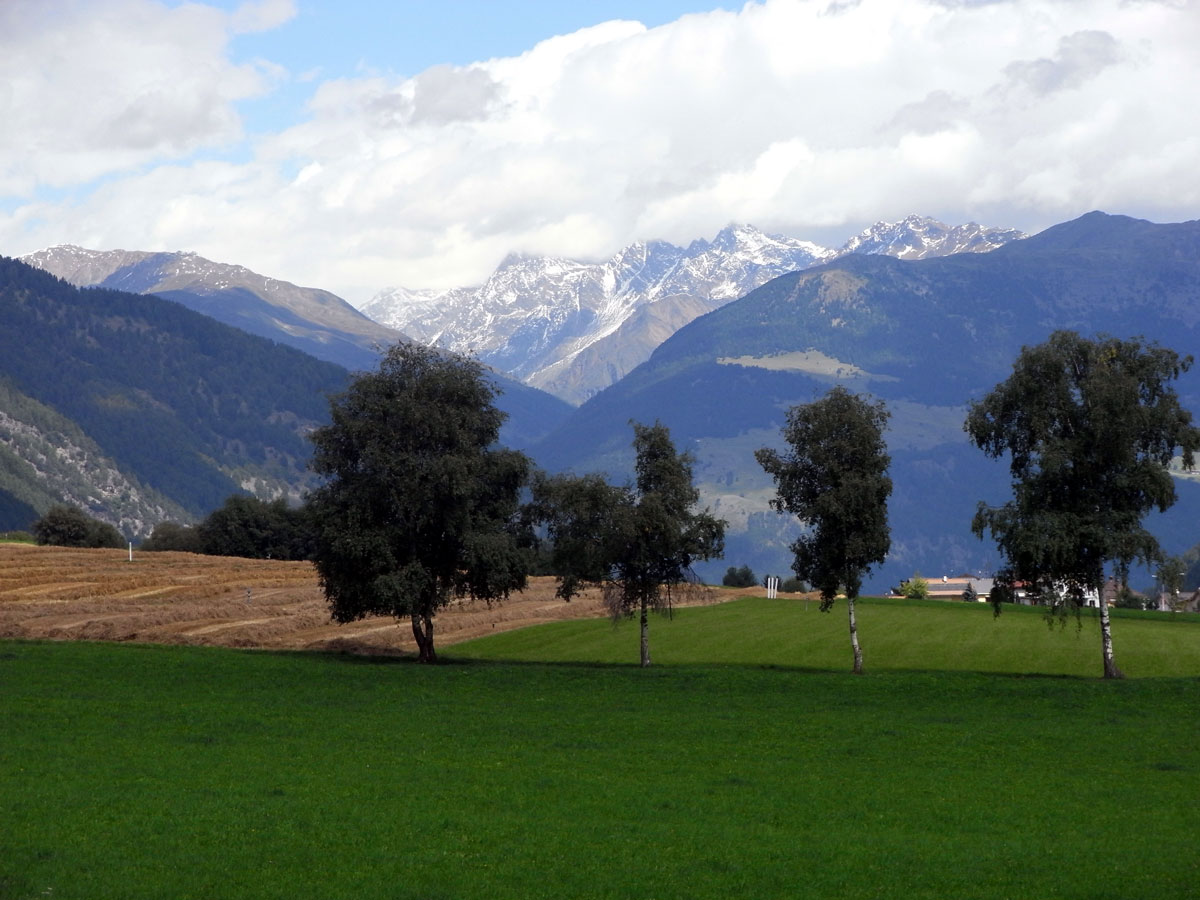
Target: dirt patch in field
<point>181,598</point>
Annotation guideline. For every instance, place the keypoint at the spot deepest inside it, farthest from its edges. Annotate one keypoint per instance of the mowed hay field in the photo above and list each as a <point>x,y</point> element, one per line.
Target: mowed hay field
<point>180,598</point>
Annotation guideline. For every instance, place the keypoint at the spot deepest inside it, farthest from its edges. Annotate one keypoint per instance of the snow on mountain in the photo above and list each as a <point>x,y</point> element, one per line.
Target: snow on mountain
<point>535,316</point>
<point>919,237</point>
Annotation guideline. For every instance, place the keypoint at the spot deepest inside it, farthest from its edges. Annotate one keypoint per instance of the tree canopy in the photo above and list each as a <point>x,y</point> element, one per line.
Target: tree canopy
<point>420,505</point>
<point>639,542</point>
<point>833,476</point>
<point>1091,426</point>
<point>69,526</point>
<point>258,529</point>
<point>739,576</point>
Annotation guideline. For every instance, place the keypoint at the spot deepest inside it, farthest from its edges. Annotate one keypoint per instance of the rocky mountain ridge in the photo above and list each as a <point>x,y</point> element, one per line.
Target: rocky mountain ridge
<point>571,327</point>
<point>309,319</point>
<point>315,321</point>
<point>920,237</point>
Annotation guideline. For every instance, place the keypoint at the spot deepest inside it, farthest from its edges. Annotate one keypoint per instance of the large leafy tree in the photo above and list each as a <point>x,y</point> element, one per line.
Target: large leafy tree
<point>1091,426</point>
<point>639,542</point>
<point>419,506</point>
<point>833,476</point>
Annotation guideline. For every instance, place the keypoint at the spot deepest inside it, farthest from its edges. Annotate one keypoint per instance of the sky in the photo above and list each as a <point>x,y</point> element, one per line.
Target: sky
<point>357,145</point>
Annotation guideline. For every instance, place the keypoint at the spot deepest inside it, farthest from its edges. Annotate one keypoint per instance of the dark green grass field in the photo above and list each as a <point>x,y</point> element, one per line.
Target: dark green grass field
<point>130,771</point>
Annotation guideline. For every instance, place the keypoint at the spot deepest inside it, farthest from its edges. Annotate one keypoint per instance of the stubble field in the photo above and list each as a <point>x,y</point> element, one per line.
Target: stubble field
<point>63,593</point>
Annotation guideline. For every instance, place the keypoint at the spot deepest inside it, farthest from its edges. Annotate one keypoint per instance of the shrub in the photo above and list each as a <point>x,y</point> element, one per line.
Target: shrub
<point>173,536</point>
<point>916,588</point>
<point>740,577</point>
<point>69,526</point>
<point>257,529</point>
<point>1128,599</point>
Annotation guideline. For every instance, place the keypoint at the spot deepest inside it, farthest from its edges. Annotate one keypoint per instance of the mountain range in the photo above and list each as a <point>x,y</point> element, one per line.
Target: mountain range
<point>315,321</point>
<point>309,319</point>
<point>927,337</point>
<point>573,328</point>
<point>141,410</point>
<point>144,407</point>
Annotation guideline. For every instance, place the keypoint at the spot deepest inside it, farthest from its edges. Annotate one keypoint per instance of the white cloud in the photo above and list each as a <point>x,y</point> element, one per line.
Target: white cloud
<point>798,115</point>
<point>93,89</point>
<point>261,15</point>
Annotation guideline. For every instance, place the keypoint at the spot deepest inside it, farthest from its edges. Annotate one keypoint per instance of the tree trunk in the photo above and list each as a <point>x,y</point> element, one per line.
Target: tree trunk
<point>858,666</point>
<point>645,635</point>
<point>422,626</point>
<point>1110,665</point>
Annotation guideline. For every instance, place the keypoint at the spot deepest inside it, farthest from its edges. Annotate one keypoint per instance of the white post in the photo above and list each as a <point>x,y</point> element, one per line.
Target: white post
<point>131,551</point>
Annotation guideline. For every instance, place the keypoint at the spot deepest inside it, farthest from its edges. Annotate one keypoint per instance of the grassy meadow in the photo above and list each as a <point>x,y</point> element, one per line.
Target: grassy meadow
<point>895,634</point>
<point>144,771</point>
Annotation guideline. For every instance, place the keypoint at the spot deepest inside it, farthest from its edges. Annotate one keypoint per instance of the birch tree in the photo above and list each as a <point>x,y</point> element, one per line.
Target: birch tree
<point>638,543</point>
<point>833,476</point>
<point>1090,426</point>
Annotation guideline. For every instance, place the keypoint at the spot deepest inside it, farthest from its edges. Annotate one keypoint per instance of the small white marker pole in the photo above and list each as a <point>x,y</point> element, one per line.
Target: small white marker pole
<point>131,551</point>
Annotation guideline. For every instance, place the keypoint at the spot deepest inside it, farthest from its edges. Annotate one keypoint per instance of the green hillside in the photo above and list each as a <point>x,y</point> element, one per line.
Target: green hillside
<point>188,407</point>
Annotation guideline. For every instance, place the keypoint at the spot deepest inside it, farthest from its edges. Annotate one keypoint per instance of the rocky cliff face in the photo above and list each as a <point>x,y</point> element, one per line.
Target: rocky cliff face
<point>46,459</point>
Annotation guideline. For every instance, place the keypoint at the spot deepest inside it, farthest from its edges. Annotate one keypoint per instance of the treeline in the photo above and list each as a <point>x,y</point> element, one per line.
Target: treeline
<point>69,526</point>
<point>242,526</point>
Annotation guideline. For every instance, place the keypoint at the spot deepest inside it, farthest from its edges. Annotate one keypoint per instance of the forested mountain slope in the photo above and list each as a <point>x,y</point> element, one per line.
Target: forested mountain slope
<point>316,321</point>
<point>178,405</point>
<point>926,336</point>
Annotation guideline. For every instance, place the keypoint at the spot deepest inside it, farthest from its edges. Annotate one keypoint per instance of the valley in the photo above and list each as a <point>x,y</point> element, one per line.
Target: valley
<point>716,340</point>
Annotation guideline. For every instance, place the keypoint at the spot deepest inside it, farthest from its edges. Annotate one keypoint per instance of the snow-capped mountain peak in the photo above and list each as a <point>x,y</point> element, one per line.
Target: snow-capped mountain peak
<point>534,315</point>
<point>920,237</point>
